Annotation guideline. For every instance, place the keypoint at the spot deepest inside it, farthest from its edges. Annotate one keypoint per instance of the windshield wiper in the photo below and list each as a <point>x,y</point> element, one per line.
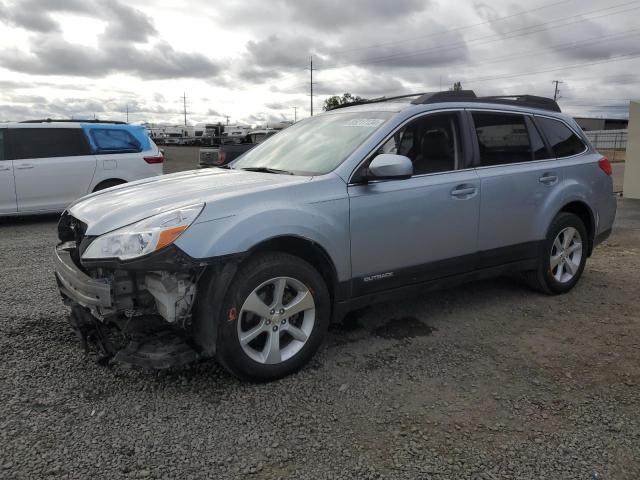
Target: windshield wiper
<point>267,170</point>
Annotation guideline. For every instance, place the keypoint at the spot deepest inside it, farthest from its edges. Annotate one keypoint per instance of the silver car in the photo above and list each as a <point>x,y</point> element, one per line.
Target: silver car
<point>250,263</point>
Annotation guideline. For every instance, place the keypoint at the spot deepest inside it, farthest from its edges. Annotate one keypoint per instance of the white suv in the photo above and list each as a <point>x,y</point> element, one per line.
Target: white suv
<point>46,165</point>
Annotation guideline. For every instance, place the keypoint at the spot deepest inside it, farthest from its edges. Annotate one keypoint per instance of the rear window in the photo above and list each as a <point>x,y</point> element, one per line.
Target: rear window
<point>46,142</point>
<point>563,141</point>
<point>111,140</point>
<point>503,138</point>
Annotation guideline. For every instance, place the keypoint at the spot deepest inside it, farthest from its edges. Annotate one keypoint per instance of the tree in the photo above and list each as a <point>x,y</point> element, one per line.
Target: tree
<point>337,100</point>
<point>457,86</point>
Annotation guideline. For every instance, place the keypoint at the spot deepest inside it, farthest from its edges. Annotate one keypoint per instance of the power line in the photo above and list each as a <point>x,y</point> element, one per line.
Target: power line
<point>578,18</point>
<point>494,37</point>
<point>628,56</point>
<point>456,29</point>
<point>563,46</point>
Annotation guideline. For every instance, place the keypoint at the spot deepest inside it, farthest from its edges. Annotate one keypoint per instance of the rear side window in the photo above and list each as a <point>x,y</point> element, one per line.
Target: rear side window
<point>2,157</point>
<point>111,140</point>
<point>504,138</point>
<point>563,141</point>
<point>46,142</point>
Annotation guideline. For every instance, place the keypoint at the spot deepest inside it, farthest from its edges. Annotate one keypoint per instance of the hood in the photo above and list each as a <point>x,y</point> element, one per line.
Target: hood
<point>125,204</point>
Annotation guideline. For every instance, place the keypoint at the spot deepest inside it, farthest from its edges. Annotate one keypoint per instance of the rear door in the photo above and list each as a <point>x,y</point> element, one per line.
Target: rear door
<point>53,166</point>
<point>521,185</point>
<point>7,185</point>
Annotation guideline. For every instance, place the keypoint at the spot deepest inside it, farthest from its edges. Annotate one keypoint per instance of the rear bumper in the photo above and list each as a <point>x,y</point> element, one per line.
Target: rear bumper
<point>76,285</point>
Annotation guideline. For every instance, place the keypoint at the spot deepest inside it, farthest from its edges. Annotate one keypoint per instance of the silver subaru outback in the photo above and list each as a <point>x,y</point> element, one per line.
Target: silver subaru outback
<point>250,263</point>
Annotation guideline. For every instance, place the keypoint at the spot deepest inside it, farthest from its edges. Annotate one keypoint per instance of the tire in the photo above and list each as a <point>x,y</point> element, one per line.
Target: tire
<point>256,288</point>
<point>108,184</point>
<point>548,277</point>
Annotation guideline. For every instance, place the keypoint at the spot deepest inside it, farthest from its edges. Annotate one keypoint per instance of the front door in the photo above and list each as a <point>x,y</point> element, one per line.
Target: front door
<point>7,186</point>
<point>425,227</point>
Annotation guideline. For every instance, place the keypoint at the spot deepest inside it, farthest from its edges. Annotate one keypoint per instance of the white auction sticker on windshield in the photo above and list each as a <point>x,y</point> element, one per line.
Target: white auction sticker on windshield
<point>364,122</point>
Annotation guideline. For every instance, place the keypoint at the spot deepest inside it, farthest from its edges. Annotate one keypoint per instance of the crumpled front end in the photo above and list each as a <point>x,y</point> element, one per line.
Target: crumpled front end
<point>137,312</point>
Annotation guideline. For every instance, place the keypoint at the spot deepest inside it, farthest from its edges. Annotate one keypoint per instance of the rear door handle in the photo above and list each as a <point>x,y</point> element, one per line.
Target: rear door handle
<point>549,179</point>
<point>24,166</point>
<point>463,191</point>
<point>4,169</point>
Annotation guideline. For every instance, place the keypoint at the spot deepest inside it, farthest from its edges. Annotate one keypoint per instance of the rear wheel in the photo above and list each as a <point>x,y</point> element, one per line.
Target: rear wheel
<point>563,256</point>
<point>108,184</point>
<point>275,316</point>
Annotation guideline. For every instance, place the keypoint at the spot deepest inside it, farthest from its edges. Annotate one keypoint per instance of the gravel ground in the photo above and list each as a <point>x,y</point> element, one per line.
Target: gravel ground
<point>487,381</point>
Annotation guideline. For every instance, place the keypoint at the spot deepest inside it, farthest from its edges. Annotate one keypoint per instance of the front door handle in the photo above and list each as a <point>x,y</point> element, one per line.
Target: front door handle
<point>548,179</point>
<point>463,191</point>
<point>4,169</point>
<point>24,166</point>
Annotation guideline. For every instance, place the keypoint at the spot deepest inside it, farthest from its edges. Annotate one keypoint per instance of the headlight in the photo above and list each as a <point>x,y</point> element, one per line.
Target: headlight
<point>145,236</point>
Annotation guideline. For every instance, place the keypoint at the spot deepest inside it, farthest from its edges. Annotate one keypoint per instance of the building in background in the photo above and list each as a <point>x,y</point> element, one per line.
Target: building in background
<point>588,124</point>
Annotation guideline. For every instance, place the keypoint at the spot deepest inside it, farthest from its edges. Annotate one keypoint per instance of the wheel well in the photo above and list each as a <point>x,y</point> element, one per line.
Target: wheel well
<point>586,215</point>
<point>307,250</point>
<point>110,182</point>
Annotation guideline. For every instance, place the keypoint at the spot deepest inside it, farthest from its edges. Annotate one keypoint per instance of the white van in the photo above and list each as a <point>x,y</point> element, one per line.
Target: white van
<point>46,165</point>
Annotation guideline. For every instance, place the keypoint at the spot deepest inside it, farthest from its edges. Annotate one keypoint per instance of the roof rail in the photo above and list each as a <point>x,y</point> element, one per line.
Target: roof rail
<point>74,120</point>
<point>375,100</point>
<point>531,101</point>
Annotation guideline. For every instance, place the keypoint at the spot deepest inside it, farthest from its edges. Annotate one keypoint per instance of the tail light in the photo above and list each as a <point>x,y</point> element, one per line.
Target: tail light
<point>221,158</point>
<point>154,159</point>
<point>605,165</point>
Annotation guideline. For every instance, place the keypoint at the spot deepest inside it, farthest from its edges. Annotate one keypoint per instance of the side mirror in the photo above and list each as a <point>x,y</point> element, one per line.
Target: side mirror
<point>388,166</point>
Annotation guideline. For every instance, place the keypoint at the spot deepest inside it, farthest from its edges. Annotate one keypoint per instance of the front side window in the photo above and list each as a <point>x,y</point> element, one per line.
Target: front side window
<point>314,146</point>
<point>47,142</point>
<point>2,157</point>
<point>563,141</point>
<point>432,143</point>
<point>504,138</point>
<point>111,140</point>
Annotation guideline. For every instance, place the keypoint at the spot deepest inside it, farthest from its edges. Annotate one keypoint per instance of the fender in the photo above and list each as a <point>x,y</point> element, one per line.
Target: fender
<point>325,223</point>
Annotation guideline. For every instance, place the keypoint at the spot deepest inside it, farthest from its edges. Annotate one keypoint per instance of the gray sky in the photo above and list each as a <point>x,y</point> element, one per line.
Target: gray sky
<point>249,59</point>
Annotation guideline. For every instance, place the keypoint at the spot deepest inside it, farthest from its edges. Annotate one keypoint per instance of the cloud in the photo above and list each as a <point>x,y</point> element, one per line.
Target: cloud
<point>124,23</point>
<point>35,15</point>
<point>285,52</point>
<point>59,57</point>
<point>320,15</point>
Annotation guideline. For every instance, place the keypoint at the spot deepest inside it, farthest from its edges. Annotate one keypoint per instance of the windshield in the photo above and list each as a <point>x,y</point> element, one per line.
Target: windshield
<point>314,146</point>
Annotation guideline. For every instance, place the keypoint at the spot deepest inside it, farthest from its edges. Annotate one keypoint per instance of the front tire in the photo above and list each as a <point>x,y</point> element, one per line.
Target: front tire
<point>274,317</point>
<point>563,256</point>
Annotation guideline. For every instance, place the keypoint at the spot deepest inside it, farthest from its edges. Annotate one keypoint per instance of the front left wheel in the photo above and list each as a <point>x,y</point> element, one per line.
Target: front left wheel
<point>275,316</point>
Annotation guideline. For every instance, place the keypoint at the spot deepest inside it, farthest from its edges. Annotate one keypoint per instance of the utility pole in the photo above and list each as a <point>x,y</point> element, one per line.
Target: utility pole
<point>295,114</point>
<point>184,103</point>
<point>311,83</point>
<point>227,117</point>
<point>556,93</point>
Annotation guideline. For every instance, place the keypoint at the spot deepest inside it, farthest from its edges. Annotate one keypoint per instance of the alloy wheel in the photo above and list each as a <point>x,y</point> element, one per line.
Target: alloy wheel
<point>276,320</point>
<point>566,255</point>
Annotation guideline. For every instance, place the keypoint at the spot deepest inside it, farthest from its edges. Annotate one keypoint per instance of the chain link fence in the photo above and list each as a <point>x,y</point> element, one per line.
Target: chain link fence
<point>612,143</point>
<point>608,139</point>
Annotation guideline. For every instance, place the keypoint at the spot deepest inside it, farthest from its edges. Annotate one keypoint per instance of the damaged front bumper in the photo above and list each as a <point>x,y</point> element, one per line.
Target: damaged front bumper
<point>135,317</point>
